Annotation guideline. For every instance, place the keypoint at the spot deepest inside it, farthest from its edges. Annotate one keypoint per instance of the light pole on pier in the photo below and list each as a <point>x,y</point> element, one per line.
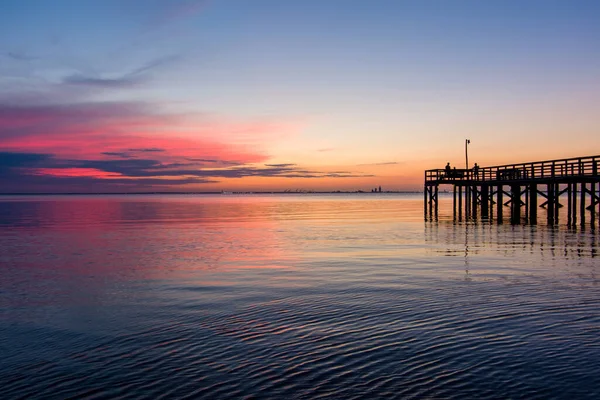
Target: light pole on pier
<point>467,141</point>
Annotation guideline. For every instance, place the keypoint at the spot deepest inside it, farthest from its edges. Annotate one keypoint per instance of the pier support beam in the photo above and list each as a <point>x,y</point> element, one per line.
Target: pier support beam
<point>485,201</point>
<point>436,203</point>
<point>569,203</point>
<point>467,202</point>
<point>454,202</point>
<point>582,204</point>
<point>550,203</point>
<point>593,204</point>
<point>425,202</point>
<point>474,202</point>
<point>499,203</point>
<point>460,201</point>
<point>574,214</point>
<point>557,204</point>
<point>532,204</point>
<point>515,204</point>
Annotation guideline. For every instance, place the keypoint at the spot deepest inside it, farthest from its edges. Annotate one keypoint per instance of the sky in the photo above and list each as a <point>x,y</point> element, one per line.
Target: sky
<point>239,95</point>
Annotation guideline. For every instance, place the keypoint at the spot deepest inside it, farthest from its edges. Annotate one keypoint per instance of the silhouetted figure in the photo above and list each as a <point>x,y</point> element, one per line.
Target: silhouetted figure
<point>379,189</point>
<point>448,170</point>
<point>476,170</point>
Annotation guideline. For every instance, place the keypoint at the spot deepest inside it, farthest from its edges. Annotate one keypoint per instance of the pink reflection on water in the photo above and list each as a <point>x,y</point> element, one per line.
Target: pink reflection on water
<point>110,239</point>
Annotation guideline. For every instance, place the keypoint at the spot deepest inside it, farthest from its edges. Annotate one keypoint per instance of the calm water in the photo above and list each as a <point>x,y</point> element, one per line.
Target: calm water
<point>312,296</point>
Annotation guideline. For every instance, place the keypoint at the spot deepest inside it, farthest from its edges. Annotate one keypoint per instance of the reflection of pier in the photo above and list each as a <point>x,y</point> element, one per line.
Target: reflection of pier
<point>573,182</point>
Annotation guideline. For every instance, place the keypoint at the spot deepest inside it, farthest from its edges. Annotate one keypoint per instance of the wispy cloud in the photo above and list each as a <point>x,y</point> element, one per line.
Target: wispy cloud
<point>153,64</point>
<point>117,154</point>
<point>380,163</point>
<point>133,78</point>
<point>347,175</point>
<point>120,82</point>
<point>204,161</point>
<point>279,165</point>
<point>150,150</point>
<point>127,154</point>
<point>20,56</point>
<point>174,11</point>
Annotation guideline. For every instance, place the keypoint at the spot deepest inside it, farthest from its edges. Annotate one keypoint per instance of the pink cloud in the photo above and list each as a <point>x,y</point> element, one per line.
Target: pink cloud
<point>88,130</point>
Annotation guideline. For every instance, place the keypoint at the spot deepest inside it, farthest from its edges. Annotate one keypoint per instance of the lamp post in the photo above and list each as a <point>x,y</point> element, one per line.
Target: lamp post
<point>467,141</point>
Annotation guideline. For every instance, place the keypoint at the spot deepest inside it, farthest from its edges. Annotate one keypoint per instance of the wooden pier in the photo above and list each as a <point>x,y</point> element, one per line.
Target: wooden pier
<point>518,190</point>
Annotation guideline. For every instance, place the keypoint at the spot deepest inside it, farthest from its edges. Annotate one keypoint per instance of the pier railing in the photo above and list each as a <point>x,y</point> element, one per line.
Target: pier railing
<point>579,167</point>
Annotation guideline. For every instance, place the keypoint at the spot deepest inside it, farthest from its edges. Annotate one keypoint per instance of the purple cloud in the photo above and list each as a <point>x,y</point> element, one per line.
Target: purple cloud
<point>21,168</point>
<point>150,150</point>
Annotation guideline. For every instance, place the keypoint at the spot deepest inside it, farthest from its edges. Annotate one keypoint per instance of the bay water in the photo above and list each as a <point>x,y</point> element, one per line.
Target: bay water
<point>297,296</point>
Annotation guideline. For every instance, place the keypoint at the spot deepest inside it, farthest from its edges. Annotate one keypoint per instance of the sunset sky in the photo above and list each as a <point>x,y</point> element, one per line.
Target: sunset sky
<point>201,95</point>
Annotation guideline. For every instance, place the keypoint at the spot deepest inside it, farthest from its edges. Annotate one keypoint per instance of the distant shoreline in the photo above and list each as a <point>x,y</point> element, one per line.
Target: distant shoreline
<point>226,193</point>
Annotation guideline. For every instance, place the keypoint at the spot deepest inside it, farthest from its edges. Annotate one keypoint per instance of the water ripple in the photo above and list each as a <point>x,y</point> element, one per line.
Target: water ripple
<point>188,299</point>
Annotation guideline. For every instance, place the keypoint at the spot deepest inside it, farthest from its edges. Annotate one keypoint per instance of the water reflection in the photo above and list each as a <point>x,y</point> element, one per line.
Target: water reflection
<point>467,276</point>
<point>489,251</point>
<point>572,242</point>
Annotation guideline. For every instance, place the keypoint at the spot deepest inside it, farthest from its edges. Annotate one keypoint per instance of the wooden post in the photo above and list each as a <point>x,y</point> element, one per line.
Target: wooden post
<point>454,202</point>
<point>499,204</point>
<point>474,202</point>
<point>425,202</point>
<point>598,194</point>
<point>429,201</point>
<point>556,201</point>
<point>436,202</point>
<point>550,203</point>
<point>526,190</point>
<point>491,194</point>
<point>533,203</point>
<point>592,204</point>
<point>574,204</point>
<point>460,196</point>
<point>569,204</point>
<point>515,204</point>
<point>582,204</point>
<point>594,194</point>
<point>467,202</point>
<point>485,202</point>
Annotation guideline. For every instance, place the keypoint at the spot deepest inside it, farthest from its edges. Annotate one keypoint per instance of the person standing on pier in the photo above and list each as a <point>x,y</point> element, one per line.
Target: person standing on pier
<point>476,171</point>
<point>448,170</point>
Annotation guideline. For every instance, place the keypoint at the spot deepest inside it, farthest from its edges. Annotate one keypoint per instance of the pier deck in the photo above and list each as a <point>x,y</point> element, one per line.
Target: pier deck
<point>575,179</point>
